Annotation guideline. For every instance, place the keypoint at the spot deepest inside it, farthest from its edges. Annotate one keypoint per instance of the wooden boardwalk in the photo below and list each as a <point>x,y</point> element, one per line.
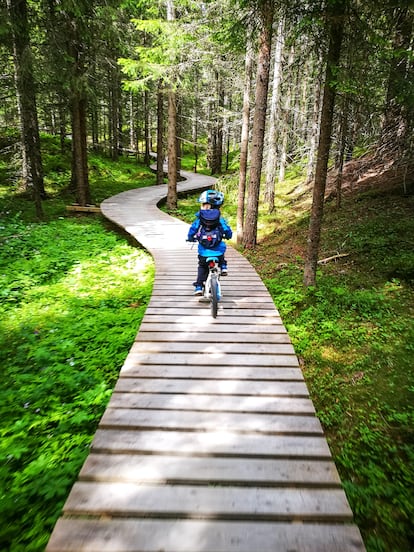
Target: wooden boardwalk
<point>210,442</point>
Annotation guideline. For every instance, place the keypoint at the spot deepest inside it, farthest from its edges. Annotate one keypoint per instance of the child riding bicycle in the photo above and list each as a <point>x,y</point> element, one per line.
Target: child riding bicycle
<point>209,228</point>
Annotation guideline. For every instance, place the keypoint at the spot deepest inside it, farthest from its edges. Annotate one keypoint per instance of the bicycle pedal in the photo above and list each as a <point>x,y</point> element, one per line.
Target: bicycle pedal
<point>204,300</point>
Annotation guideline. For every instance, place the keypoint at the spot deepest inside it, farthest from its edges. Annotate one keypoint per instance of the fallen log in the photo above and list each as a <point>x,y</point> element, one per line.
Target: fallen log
<point>83,208</point>
<point>333,258</point>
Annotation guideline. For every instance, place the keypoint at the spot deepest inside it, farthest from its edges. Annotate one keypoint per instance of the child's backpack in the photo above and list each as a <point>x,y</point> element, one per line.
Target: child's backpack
<point>210,231</point>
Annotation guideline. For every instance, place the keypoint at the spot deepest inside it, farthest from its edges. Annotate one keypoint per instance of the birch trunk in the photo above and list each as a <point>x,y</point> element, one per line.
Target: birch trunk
<point>272,156</point>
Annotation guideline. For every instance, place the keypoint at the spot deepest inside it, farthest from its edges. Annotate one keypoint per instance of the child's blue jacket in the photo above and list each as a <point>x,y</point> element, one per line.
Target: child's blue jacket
<point>221,247</point>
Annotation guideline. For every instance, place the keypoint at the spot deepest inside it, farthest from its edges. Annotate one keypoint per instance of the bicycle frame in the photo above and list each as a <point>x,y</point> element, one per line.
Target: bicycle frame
<point>212,287</point>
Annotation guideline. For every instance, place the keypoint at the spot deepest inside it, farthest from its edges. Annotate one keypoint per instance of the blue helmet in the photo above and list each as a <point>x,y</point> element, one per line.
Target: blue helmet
<point>212,197</point>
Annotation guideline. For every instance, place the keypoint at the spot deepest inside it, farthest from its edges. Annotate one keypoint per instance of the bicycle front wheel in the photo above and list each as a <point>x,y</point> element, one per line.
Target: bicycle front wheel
<point>214,295</point>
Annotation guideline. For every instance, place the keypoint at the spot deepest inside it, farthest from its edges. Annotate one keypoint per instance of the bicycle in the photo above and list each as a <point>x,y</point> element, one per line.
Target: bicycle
<point>212,287</point>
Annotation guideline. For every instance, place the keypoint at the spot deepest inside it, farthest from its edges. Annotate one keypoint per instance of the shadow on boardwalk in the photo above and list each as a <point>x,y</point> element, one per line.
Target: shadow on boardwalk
<point>210,442</point>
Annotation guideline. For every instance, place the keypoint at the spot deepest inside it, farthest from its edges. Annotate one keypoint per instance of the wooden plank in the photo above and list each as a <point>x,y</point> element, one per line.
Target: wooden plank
<point>209,471</point>
<point>210,443</point>
<point>149,535</point>
<point>164,335</point>
<point>217,403</point>
<point>187,271</point>
<point>214,387</point>
<point>212,359</point>
<point>195,502</point>
<point>132,370</point>
<point>224,327</point>
<point>227,301</point>
<point>186,298</point>
<point>187,291</point>
<point>203,318</point>
<point>277,424</point>
<point>202,348</point>
<point>247,287</point>
<point>203,309</point>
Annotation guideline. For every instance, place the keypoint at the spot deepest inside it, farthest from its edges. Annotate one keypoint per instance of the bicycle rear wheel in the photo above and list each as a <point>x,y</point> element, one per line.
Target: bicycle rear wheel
<point>214,295</point>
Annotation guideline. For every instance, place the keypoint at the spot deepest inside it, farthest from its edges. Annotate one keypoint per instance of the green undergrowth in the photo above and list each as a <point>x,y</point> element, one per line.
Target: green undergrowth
<point>72,295</point>
<point>354,336</point>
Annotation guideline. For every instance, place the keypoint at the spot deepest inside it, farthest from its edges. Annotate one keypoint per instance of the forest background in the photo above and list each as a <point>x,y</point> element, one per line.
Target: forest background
<point>306,109</point>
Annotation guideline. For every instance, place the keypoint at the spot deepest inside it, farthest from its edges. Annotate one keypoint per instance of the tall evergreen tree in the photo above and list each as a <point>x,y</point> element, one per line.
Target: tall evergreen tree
<point>25,87</point>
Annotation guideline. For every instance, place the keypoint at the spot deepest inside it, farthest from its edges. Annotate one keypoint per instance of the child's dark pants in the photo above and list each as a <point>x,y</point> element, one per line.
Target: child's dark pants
<point>202,272</point>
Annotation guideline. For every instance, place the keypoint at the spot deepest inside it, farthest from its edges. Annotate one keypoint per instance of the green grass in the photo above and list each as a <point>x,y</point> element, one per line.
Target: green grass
<point>72,295</point>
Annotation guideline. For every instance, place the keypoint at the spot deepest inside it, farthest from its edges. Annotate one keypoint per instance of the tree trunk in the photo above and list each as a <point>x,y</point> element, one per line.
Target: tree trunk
<point>328,103</point>
<point>195,123</point>
<point>310,169</point>
<point>215,139</point>
<point>178,135</point>
<point>172,133</point>
<point>172,152</point>
<point>94,125</point>
<point>227,133</point>
<point>147,138</point>
<point>132,135</point>
<point>160,134</point>
<point>27,99</point>
<point>244,142</point>
<point>219,126</point>
<point>114,113</point>
<point>274,119</point>
<point>80,177</point>
<point>259,122</point>
<point>285,118</point>
<point>62,128</point>
<point>339,161</point>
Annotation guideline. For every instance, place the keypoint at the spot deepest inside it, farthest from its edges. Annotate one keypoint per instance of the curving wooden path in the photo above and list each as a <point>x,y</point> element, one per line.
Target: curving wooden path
<point>210,442</point>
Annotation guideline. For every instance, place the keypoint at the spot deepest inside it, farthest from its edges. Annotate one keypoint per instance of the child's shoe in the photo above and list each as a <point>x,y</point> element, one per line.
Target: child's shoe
<point>224,270</point>
<point>198,290</point>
